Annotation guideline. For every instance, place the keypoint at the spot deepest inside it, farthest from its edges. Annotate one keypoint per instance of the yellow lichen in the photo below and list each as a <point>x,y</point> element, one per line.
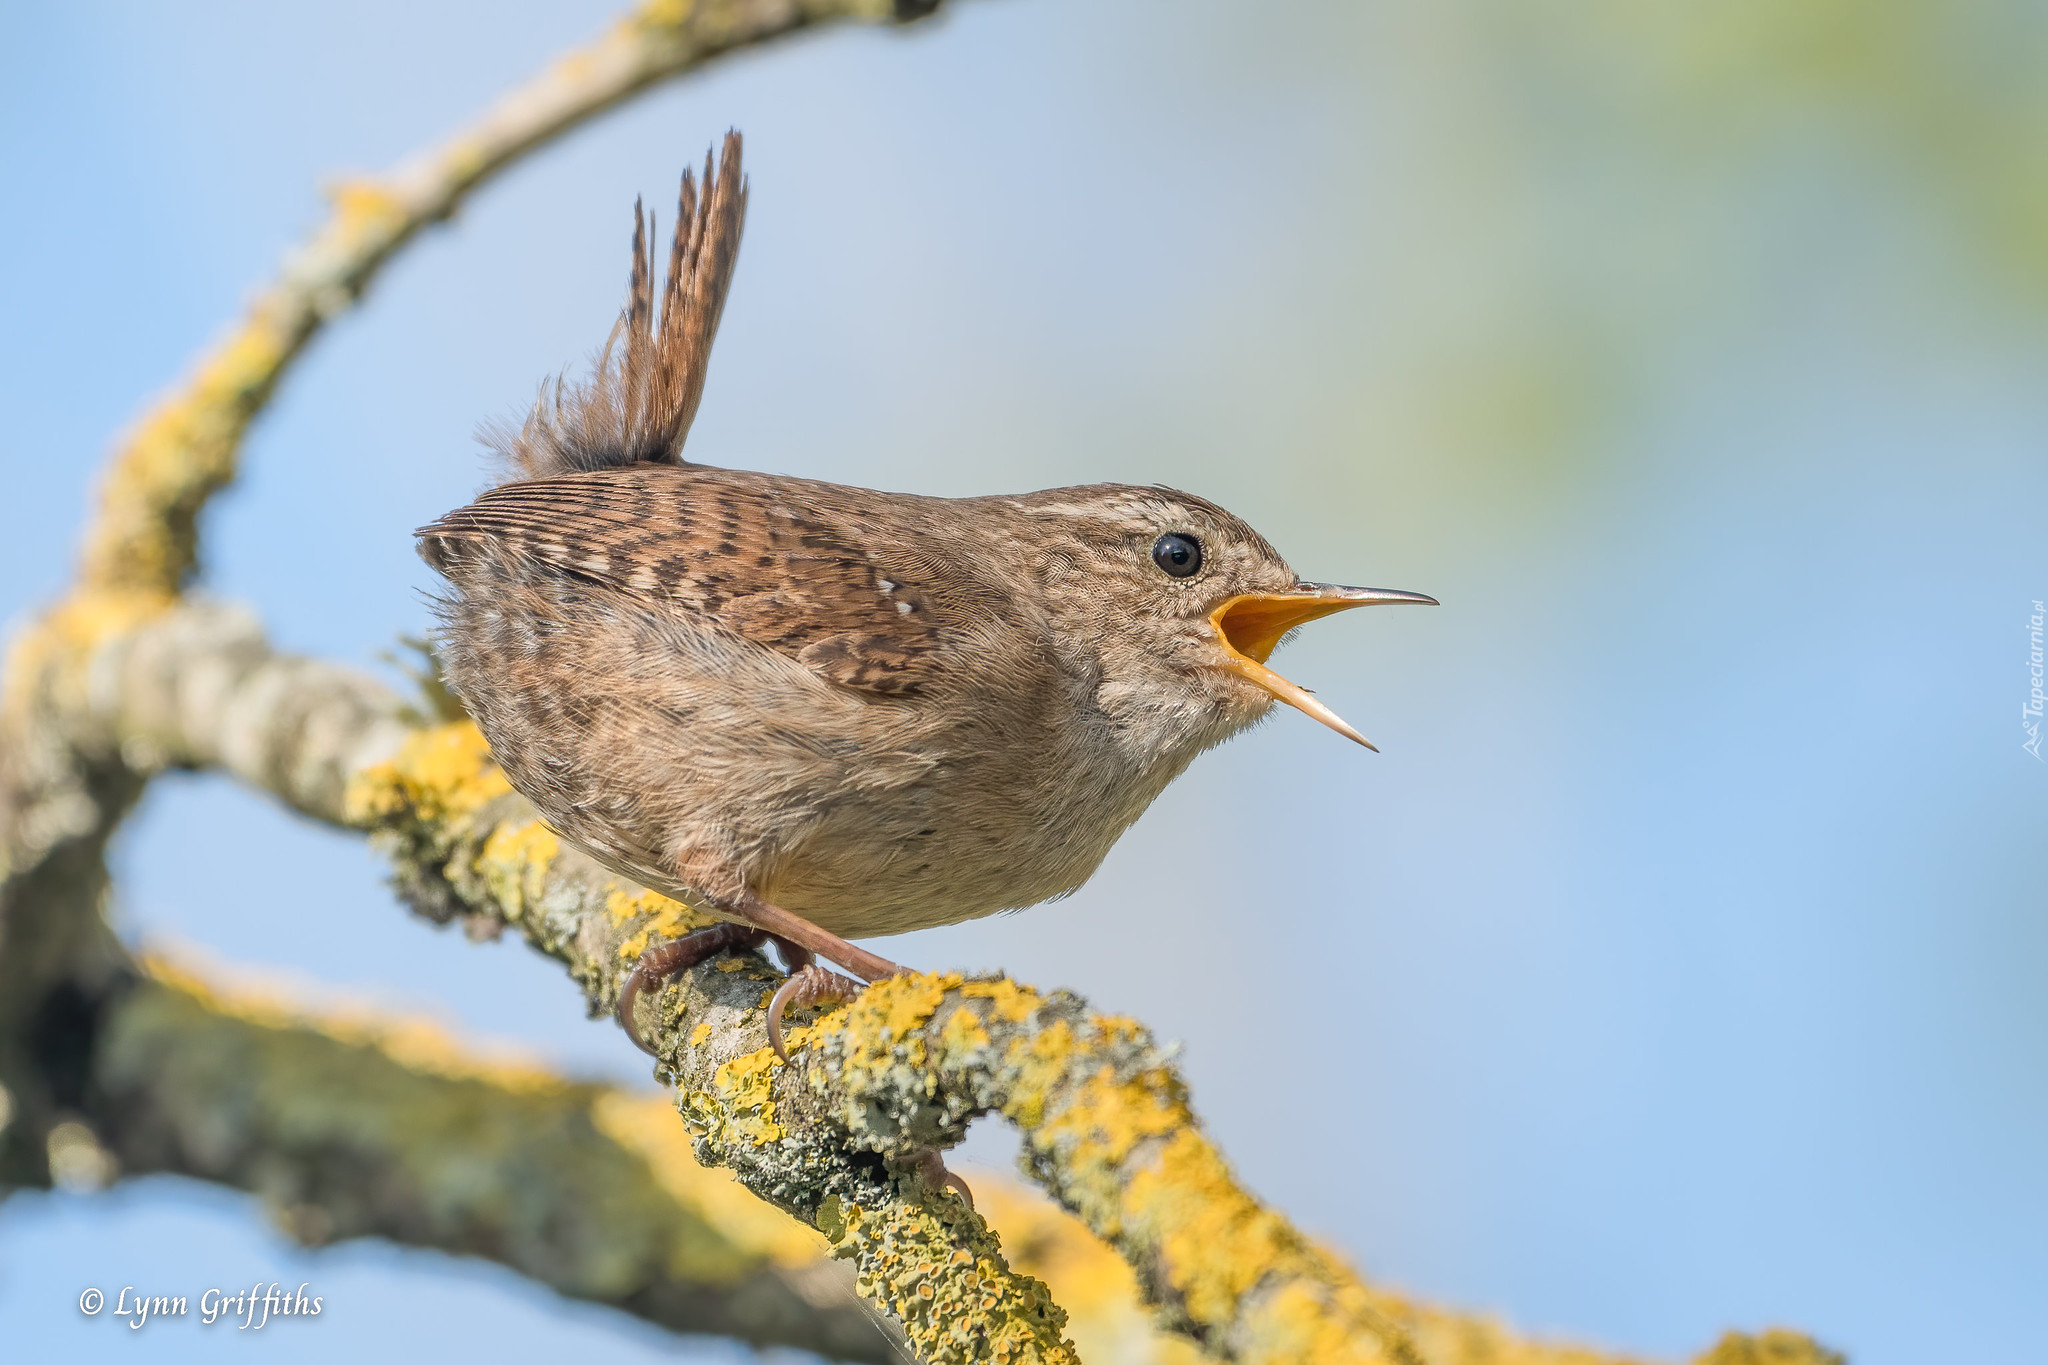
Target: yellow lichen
<point>514,864</point>
<point>956,1303</point>
<point>896,1008</point>
<point>1118,1028</point>
<point>361,207</point>
<point>418,1044</point>
<point>1039,1062</point>
<point>963,1039</point>
<point>669,15</point>
<point>743,1088</point>
<point>797,1039</point>
<point>1299,1327</point>
<point>647,1125</point>
<point>440,774</point>
<point>883,1021</point>
<point>1010,1003</point>
<point>1104,1315</point>
<point>1106,1118</point>
<point>67,634</point>
<point>1216,1242</point>
<point>666,919</point>
<point>1776,1346</point>
<point>181,450</point>
<point>624,907</point>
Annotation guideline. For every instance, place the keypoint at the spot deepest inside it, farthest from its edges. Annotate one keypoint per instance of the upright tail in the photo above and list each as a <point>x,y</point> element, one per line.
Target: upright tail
<point>643,393</point>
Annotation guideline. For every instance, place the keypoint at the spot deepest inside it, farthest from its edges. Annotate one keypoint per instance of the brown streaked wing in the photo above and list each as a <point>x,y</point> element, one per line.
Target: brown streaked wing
<point>737,551</point>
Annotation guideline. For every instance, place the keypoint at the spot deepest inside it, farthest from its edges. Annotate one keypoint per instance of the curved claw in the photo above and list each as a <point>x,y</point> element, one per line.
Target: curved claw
<point>663,961</point>
<point>951,1181</point>
<point>777,1003</point>
<point>932,1167</point>
<point>808,985</point>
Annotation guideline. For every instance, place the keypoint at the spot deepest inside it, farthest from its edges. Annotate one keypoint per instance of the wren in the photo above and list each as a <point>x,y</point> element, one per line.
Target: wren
<point>822,712</point>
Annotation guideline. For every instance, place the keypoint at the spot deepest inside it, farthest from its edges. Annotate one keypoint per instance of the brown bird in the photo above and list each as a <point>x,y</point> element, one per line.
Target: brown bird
<point>822,712</point>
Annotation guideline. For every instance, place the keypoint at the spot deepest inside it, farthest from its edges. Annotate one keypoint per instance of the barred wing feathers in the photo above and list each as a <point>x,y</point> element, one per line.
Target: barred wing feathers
<point>742,550</point>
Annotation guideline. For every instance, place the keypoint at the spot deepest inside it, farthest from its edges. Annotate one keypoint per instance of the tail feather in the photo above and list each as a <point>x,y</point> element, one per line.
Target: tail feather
<point>643,393</point>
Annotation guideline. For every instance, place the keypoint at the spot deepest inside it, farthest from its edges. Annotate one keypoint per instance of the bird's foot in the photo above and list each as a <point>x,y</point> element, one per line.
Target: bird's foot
<point>932,1168</point>
<point>808,985</point>
<point>663,961</point>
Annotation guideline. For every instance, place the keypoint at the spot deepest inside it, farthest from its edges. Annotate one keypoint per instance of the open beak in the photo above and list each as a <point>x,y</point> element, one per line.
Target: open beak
<point>1248,628</point>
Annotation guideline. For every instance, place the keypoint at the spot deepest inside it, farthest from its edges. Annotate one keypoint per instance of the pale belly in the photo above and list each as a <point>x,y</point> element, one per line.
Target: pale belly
<point>742,773</point>
<point>866,871</point>
<point>926,830</point>
<point>915,857</point>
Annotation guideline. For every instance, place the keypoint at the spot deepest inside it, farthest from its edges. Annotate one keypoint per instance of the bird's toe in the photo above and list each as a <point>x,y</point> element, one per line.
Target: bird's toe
<point>664,960</point>
<point>808,985</point>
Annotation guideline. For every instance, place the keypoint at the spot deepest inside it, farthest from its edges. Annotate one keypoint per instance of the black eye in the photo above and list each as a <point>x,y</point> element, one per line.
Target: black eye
<point>1177,554</point>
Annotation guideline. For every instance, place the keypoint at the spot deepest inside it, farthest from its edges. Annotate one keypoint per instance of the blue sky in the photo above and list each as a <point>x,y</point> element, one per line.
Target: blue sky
<point>1677,964</point>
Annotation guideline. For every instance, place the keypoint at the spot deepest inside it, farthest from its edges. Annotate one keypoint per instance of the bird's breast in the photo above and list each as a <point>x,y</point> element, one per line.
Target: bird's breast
<point>1005,809</point>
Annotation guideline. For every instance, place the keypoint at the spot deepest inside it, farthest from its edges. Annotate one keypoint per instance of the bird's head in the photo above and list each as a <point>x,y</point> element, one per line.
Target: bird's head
<point>1180,604</point>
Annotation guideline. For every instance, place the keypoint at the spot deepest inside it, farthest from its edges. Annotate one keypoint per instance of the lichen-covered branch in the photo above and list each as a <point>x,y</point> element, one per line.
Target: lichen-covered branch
<point>193,685</point>
<point>837,1139</point>
<point>464,844</point>
<point>198,686</point>
<point>388,1131</point>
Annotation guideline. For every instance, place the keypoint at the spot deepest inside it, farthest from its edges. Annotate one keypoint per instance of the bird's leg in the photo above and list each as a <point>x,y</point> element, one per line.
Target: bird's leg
<point>801,943</point>
<point>660,963</point>
<point>808,985</point>
<point>773,919</point>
